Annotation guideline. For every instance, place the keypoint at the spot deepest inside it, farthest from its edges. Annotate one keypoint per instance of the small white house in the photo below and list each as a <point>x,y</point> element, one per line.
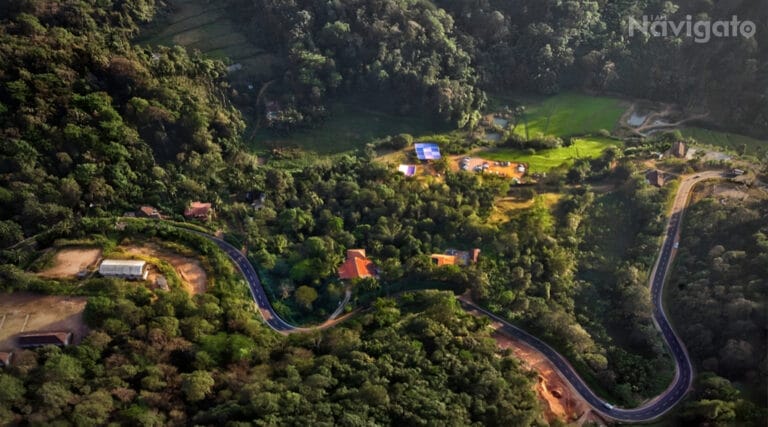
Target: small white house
<point>124,269</point>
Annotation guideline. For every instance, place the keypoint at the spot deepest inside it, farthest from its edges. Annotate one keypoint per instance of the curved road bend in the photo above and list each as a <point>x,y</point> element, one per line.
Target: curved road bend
<point>651,410</point>
<point>254,284</point>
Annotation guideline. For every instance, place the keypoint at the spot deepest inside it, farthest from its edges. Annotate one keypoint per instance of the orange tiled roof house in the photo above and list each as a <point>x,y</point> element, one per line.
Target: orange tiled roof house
<point>356,266</point>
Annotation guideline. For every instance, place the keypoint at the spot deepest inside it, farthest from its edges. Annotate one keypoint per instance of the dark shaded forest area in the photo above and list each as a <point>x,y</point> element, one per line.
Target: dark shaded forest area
<point>441,60</point>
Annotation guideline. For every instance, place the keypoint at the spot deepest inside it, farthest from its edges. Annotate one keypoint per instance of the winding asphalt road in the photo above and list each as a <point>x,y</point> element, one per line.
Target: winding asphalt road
<point>650,410</point>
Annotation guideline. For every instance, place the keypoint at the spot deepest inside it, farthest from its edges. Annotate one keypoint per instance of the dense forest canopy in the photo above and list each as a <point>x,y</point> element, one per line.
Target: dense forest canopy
<point>408,49</point>
<point>171,359</point>
<point>92,125</point>
<point>719,291</point>
<point>435,57</point>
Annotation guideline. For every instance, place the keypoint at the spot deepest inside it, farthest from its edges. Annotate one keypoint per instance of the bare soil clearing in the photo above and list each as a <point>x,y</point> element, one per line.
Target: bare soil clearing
<point>493,167</point>
<point>190,270</point>
<point>558,400</point>
<point>27,312</point>
<point>726,192</point>
<point>68,262</point>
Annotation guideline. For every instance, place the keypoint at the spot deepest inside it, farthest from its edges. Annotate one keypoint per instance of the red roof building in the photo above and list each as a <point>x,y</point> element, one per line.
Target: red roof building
<point>198,210</point>
<point>440,260</point>
<point>356,266</point>
<point>148,212</point>
<point>455,257</point>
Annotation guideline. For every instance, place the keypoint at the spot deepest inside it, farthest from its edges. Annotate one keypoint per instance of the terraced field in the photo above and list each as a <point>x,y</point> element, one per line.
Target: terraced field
<point>205,26</point>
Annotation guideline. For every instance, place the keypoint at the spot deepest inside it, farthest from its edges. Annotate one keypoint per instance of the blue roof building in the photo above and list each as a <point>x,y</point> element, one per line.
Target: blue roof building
<point>427,151</point>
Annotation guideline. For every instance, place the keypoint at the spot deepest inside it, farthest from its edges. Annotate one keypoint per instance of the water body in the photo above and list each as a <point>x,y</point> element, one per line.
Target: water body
<point>500,122</point>
<point>636,119</point>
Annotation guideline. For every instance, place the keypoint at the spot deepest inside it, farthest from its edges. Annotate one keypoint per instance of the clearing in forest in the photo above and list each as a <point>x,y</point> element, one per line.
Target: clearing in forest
<point>189,270</point>
<point>70,261</point>
<point>569,114</point>
<point>731,141</point>
<point>205,26</point>
<point>504,208</point>
<point>28,312</point>
<point>544,160</point>
<point>348,127</point>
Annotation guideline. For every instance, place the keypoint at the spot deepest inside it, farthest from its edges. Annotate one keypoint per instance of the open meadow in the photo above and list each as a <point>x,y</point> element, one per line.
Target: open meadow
<point>544,160</point>
<point>569,114</point>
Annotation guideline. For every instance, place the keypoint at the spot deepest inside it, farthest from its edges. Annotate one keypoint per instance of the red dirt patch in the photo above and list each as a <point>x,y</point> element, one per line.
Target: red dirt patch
<point>558,399</point>
<point>494,167</point>
<point>27,312</point>
<point>68,262</point>
<point>191,272</point>
<point>561,404</point>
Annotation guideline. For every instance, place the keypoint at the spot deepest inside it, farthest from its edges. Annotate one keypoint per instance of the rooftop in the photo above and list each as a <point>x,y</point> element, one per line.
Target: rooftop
<point>356,266</point>
<point>39,339</point>
<point>198,210</point>
<point>407,170</point>
<point>427,151</point>
<point>455,257</point>
<point>442,259</point>
<point>123,263</point>
<point>655,177</point>
<point>149,211</point>
<point>120,267</point>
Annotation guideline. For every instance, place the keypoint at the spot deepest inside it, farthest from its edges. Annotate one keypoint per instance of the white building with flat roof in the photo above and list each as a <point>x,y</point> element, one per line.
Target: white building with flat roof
<point>124,269</point>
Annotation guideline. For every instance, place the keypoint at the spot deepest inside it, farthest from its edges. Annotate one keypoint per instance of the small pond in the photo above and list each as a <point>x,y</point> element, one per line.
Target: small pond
<point>636,119</point>
<point>500,122</point>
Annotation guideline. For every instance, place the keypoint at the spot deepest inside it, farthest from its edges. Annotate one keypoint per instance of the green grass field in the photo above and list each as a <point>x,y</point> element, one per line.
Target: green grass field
<point>569,114</point>
<point>544,160</point>
<point>349,127</point>
<point>731,141</point>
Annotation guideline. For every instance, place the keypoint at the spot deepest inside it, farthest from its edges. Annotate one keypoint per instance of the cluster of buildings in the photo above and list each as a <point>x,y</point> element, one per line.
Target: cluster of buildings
<point>425,151</point>
<point>429,151</point>
<point>658,178</point>
<point>358,266</point>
